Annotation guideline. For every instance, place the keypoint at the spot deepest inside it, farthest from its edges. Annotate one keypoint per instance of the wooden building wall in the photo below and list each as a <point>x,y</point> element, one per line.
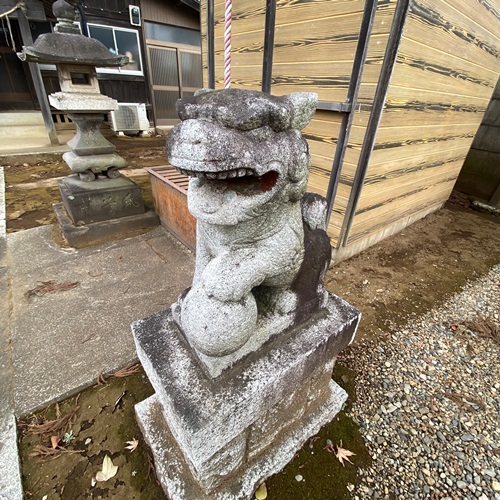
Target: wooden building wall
<point>430,70</point>
<point>375,56</point>
<point>480,175</point>
<point>173,13</point>
<point>445,72</point>
<point>314,47</point>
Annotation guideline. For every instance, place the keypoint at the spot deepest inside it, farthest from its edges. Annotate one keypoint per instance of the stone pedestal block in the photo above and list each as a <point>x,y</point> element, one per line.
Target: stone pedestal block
<point>94,163</point>
<point>219,438</point>
<point>89,139</point>
<point>104,231</point>
<point>101,200</point>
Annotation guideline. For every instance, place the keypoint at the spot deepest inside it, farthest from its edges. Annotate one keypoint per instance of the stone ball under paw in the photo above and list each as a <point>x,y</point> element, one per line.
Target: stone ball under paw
<point>217,328</point>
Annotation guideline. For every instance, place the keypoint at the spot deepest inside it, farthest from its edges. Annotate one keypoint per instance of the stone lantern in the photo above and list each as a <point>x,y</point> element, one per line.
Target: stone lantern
<point>96,192</point>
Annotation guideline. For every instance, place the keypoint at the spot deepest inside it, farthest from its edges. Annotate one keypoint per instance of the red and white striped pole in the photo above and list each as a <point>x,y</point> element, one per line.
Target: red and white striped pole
<point>228,16</point>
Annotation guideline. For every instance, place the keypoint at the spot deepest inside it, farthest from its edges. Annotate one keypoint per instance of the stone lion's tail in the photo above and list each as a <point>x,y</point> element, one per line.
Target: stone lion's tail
<point>314,211</point>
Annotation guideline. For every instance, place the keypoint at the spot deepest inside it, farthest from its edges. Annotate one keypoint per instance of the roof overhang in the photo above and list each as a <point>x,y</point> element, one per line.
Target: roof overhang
<point>34,9</point>
<point>194,4</point>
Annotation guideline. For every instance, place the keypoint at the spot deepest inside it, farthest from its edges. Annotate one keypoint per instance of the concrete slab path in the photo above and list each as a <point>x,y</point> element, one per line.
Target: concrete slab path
<point>61,340</point>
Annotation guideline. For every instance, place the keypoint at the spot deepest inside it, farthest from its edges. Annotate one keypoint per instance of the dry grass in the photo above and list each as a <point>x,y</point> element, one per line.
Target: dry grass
<point>485,328</point>
<point>127,371</point>
<point>464,401</point>
<point>123,372</point>
<point>41,451</point>
<point>41,426</point>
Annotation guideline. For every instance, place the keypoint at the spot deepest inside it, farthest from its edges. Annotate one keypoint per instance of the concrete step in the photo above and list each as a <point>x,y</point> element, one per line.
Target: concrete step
<point>22,124</point>
<point>8,118</point>
<point>22,131</point>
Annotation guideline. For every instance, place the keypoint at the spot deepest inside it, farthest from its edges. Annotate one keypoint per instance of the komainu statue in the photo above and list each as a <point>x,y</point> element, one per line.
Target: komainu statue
<point>262,249</point>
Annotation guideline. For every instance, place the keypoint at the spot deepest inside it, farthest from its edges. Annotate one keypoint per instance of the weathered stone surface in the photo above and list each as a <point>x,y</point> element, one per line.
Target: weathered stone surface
<point>242,362</point>
<point>249,166</point>
<point>76,57</point>
<point>68,44</point>
<point>10,479</point>
<point>96,233</point>
<point>80,79</point>
<point>104,199</point>
<point>88,139</point>
<point>177,478</point>
<point>93,163</point>
<point>206,414</point>
<point>82,103</point>
<point>248,110</point>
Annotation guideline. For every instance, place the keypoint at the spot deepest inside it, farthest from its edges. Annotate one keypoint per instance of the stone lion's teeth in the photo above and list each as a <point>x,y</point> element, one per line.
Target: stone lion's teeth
<point>232,173</point>
<point>200,175</point>
<point>211,175</point>
<point>242,172</point>
<point>222,175</point>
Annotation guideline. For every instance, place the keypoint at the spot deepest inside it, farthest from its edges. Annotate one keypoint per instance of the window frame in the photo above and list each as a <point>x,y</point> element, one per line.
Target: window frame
<point>119,70</point>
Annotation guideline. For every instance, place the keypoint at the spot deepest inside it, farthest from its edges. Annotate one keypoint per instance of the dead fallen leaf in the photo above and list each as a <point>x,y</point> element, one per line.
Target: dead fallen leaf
<point>261,493</point>
<point>118,401</point>
<point>51,286</point>
<point>54,441</point>
<point>343,454</point>
<point>329,446</point>
<point>132,445</point>
<point>15,215</point>
<point>108,471</point>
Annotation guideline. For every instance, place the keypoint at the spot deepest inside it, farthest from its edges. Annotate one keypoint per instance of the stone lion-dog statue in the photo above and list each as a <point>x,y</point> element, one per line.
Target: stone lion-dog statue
<point>262,249</point>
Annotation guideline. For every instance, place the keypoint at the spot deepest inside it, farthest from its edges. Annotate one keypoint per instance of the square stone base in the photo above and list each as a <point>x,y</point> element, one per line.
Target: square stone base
<point>100,200</point>
<point>104,231</point>
<point>221,437</point>
<point>176,477</point>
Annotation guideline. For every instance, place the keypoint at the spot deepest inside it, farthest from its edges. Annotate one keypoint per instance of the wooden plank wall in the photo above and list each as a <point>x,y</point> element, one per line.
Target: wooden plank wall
<point>446,69</point>
<point>314,46</point>
<point>480,175</point>
<point>315,42</point>
<point>249,17</point>
<point>375,56</point>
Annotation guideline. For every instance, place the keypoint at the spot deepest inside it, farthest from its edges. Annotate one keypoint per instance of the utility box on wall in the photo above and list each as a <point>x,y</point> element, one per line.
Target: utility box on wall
<point>129,118</point>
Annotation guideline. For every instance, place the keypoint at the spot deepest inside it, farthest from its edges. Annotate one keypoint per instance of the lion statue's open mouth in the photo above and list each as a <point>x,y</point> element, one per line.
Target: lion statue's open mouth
<point>243,180</point>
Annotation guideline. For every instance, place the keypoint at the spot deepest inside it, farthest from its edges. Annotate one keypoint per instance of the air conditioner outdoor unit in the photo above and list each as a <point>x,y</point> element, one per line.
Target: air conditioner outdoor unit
<point>130,117</point>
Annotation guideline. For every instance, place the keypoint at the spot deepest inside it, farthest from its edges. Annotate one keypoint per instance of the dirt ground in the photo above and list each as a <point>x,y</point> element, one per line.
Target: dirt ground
<point>390,283</point>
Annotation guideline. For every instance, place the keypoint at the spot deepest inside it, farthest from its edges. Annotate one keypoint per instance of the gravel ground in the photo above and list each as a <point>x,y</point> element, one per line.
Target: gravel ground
<point>428,403</point>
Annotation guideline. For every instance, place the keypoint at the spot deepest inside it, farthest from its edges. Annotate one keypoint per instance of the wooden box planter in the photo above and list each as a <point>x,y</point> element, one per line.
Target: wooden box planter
<point>169,189</point>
